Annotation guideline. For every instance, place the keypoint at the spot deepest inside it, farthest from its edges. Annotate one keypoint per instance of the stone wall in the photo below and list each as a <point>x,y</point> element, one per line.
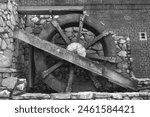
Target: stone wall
<point>9,49</point>
<point>8,46</point>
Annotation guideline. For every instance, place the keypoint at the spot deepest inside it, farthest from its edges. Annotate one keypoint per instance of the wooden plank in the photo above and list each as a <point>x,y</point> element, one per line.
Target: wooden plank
<point>70,80</point>
<point>51,69</point>
<point>75,59</point>
<point>31,67</point>
<point>45,10</point>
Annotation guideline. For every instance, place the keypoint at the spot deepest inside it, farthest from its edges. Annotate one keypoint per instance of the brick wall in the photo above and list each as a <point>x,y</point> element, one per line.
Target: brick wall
<point>126,18</point>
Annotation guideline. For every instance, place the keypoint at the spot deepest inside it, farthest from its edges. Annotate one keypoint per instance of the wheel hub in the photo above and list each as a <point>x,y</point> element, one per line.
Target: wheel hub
<point>77,48</point>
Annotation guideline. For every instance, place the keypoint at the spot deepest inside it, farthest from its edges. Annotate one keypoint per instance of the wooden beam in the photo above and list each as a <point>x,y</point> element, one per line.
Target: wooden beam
<point>101,58</point>
<point>73,58</point>
<point>97,38</point>
<point>47,10</point>
<point>31,67</point>
<point>51,69</point>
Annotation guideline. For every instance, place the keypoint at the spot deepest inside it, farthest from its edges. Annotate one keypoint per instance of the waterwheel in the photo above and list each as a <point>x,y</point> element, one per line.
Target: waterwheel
<point>75,33</point>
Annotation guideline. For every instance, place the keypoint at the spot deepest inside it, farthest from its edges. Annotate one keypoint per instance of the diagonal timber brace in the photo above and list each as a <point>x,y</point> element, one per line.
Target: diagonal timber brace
<point>76,59</point>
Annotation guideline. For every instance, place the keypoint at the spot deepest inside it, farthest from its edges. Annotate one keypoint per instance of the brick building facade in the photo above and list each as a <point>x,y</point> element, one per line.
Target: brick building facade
<point>125,18</point>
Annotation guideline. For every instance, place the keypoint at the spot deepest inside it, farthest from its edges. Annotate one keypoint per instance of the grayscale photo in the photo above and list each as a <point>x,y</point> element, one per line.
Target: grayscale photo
<point>75,50</point>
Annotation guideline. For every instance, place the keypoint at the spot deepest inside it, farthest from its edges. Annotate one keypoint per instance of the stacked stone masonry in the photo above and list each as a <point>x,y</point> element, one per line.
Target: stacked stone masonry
<point>8,47</point>
<point>9,52</point>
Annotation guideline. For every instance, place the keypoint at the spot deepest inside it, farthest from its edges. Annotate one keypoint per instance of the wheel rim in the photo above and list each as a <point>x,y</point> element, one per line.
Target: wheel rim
<point>82,80</point>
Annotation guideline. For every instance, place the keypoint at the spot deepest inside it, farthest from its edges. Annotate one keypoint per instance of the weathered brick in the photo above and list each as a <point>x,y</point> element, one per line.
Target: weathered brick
<point>102,95</point>
<point>0,41</point>
<point>9,82</point>
<point>6,75</point>
<point>122,41</point>
<point>117,96</point>
<point>85,95</point>
<point>3,6</point>
<point>13,20</point>
<point>4,93</point>
<point>1,21</point>
<point>17,92</point>
<point>1,79</point>
<point>17,98</point>
<point>126,98</point>
<point>35,96</point>
<point>137,98</point>
<point>21,86</point>
<point>4,45</point>
<point>74,96</point>
<point>122,53</point>
<point>5,36</point>
<point>4,61</point>
<point>1,29</point>
<point>29,29</point>
<point>133,94</point>
<point>11,47</point>
<point>61,96</point>
<point>9,6</point>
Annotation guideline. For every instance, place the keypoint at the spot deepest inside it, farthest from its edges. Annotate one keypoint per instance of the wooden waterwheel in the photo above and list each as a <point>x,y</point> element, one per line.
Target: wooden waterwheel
<point>79,34</point>
<point>72,53</point>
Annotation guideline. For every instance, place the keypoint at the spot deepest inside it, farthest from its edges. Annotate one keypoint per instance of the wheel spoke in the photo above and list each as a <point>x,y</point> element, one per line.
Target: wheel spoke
<point>56,24</point>
<point>95,49</point>
<point>82,17</point>
<point>100,58</point>
<point>51,69</point>
<point>70,80</point>
<point>54,83</point>
<point>95,81</point>
<point>96,39</point>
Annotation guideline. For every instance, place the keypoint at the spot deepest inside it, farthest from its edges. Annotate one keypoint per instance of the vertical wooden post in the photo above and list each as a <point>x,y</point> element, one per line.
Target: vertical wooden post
<point>30,79</point>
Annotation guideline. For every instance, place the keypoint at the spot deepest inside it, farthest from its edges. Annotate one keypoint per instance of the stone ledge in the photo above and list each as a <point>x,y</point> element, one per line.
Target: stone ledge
<point>8,70</point>
<point>84,96</point>
<point>28,96</point>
